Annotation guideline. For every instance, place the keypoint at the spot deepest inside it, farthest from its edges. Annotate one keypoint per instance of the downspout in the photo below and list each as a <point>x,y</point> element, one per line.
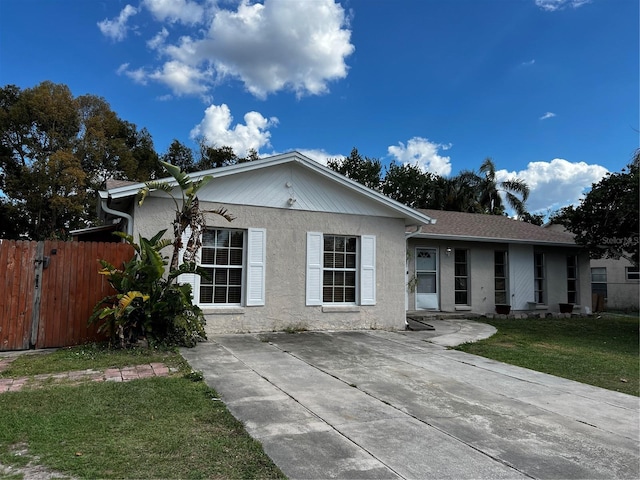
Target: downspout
<point>126,216</point>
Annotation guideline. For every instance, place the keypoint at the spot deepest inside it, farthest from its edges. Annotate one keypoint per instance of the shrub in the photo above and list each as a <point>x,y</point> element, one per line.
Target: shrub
<point>149,305</point>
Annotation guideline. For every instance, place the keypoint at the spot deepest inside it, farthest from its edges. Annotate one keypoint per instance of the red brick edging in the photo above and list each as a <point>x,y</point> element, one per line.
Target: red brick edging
<point>124,374</point>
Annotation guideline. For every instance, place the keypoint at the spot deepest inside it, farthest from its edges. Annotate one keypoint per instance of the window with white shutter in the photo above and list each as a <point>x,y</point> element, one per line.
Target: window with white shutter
<point>341,269</point>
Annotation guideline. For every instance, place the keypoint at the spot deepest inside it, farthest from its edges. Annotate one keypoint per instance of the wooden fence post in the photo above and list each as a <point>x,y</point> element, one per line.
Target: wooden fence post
<point>37,292</point>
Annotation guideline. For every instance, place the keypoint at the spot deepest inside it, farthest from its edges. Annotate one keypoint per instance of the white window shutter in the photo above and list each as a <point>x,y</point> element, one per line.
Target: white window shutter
<point>314,268</point>
<point>256,259</point>
<point>190,278</point>
<point>368,270</point>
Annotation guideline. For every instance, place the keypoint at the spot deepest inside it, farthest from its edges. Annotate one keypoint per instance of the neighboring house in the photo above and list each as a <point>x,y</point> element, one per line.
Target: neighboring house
<point>615,285</point>
<point>473,262</point>
<point>308,247</point>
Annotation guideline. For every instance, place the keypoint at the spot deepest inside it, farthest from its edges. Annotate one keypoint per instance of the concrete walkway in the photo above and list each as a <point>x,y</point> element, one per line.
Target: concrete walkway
<point>375,404</point>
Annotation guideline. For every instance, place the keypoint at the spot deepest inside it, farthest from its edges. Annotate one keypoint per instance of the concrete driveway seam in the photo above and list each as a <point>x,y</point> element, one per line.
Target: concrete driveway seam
<point>376,404</point>
<point>400,411</point>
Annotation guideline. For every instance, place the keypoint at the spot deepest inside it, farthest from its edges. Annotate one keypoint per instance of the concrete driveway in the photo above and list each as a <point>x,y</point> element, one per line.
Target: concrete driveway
<point>376,404</point>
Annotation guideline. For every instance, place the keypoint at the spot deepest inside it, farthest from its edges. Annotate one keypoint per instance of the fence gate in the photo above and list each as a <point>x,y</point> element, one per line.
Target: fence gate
<point>48,291</point>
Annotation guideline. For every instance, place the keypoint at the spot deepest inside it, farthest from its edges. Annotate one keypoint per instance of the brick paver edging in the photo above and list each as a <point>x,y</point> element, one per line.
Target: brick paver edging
<point>124,374</point>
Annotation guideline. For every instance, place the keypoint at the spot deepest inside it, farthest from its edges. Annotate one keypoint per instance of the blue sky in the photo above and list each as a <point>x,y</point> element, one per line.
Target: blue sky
<point>547,88</point>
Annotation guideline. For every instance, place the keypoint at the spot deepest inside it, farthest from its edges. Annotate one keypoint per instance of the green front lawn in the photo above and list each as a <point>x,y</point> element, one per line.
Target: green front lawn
<point>597,351</point>
<point>162,427</point>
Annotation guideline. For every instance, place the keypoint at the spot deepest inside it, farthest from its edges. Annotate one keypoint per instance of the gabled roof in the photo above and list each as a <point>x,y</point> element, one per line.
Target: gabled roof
<point>490,228</point>
<point>411,216</point>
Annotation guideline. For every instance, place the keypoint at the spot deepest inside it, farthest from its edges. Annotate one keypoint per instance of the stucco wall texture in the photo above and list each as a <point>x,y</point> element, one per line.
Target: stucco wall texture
<point>481,271</point>
<point>285,273</point>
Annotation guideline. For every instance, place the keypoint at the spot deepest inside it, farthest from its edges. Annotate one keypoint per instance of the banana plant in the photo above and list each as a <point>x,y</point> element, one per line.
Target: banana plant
<point>187,210</point>
<point>147,303</point>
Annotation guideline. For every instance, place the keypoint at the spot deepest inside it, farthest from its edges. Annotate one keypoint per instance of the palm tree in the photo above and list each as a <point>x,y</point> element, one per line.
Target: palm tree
<point>188,214</point>
<point>458,193</point>
<point>515,190</point>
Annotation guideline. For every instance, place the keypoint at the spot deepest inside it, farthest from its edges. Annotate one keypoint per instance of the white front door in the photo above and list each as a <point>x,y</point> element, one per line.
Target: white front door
<point>427,276</point>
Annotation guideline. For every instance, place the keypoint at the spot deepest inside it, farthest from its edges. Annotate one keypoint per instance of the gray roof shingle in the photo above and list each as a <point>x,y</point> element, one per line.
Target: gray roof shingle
<point>493,228</point>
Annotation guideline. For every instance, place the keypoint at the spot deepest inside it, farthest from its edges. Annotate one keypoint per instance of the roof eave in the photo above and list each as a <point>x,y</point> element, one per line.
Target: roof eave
<point>410,215</point>
<point>527,241</point>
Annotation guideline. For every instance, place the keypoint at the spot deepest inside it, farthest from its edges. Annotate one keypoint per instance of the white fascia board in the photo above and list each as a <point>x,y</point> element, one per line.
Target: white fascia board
<point>408,213</point>
<point>466,238</point>
<point>131,190</point>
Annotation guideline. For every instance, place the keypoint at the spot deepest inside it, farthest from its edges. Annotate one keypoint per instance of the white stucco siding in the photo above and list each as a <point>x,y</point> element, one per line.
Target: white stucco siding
<point>622,293</point>
<point>285,267</point>
<point>520,286</point>
<point>556,277</point>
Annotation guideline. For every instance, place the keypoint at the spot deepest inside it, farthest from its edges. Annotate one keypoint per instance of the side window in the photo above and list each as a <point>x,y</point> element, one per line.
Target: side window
<point>461,277</point>
<point>632,274</point>
<point>572,279</point>
<point>540,295</point>
<point>501,277</point>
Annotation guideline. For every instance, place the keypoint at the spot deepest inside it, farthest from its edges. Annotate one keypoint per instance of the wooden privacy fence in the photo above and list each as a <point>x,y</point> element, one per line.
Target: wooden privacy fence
<point>48,291</point>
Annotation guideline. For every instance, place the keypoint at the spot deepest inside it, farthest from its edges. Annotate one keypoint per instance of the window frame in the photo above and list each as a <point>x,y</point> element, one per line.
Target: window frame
<point>573,294</point>
<point>242,267</point>
<point>457,277</point>
<point>599,286</point>
<point>631,273</point>
<point>366,276</point>
<point>539,278</point>
<point>340,271</point>
<point>505,277</point>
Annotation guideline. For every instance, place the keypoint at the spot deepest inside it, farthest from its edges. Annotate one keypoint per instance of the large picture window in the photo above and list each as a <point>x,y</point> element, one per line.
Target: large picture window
<point>223,259</point>
<point>340,262</point>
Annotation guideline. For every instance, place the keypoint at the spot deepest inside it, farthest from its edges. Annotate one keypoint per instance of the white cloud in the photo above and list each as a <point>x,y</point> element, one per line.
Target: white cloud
<point>528,63</point>
<point>158,40</point>
<point>319,155</point>
<point>557,183</point>
<point>424,153</point>
<point>182,79</point>
<point>281,44</point>
<point>138,75</point>
<point>216,129</point>
<point>183,11</point>
<point>271,46</point>
<point>116,29</point>
<point>553,5</point>
<point>547,115</point>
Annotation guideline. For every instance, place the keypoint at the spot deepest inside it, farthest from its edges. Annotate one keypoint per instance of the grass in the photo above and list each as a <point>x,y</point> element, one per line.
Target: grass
<point>162,427</point>
<point>597,351</point>
<point>95,355</point>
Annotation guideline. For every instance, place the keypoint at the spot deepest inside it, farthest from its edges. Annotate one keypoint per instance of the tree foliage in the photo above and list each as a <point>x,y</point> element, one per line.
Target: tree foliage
<point>468,191</point>
<point>56,151</point>
<point>606,220</point>
<point>363,170</point>
<point>216,157</point>
<point>408,184</point>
